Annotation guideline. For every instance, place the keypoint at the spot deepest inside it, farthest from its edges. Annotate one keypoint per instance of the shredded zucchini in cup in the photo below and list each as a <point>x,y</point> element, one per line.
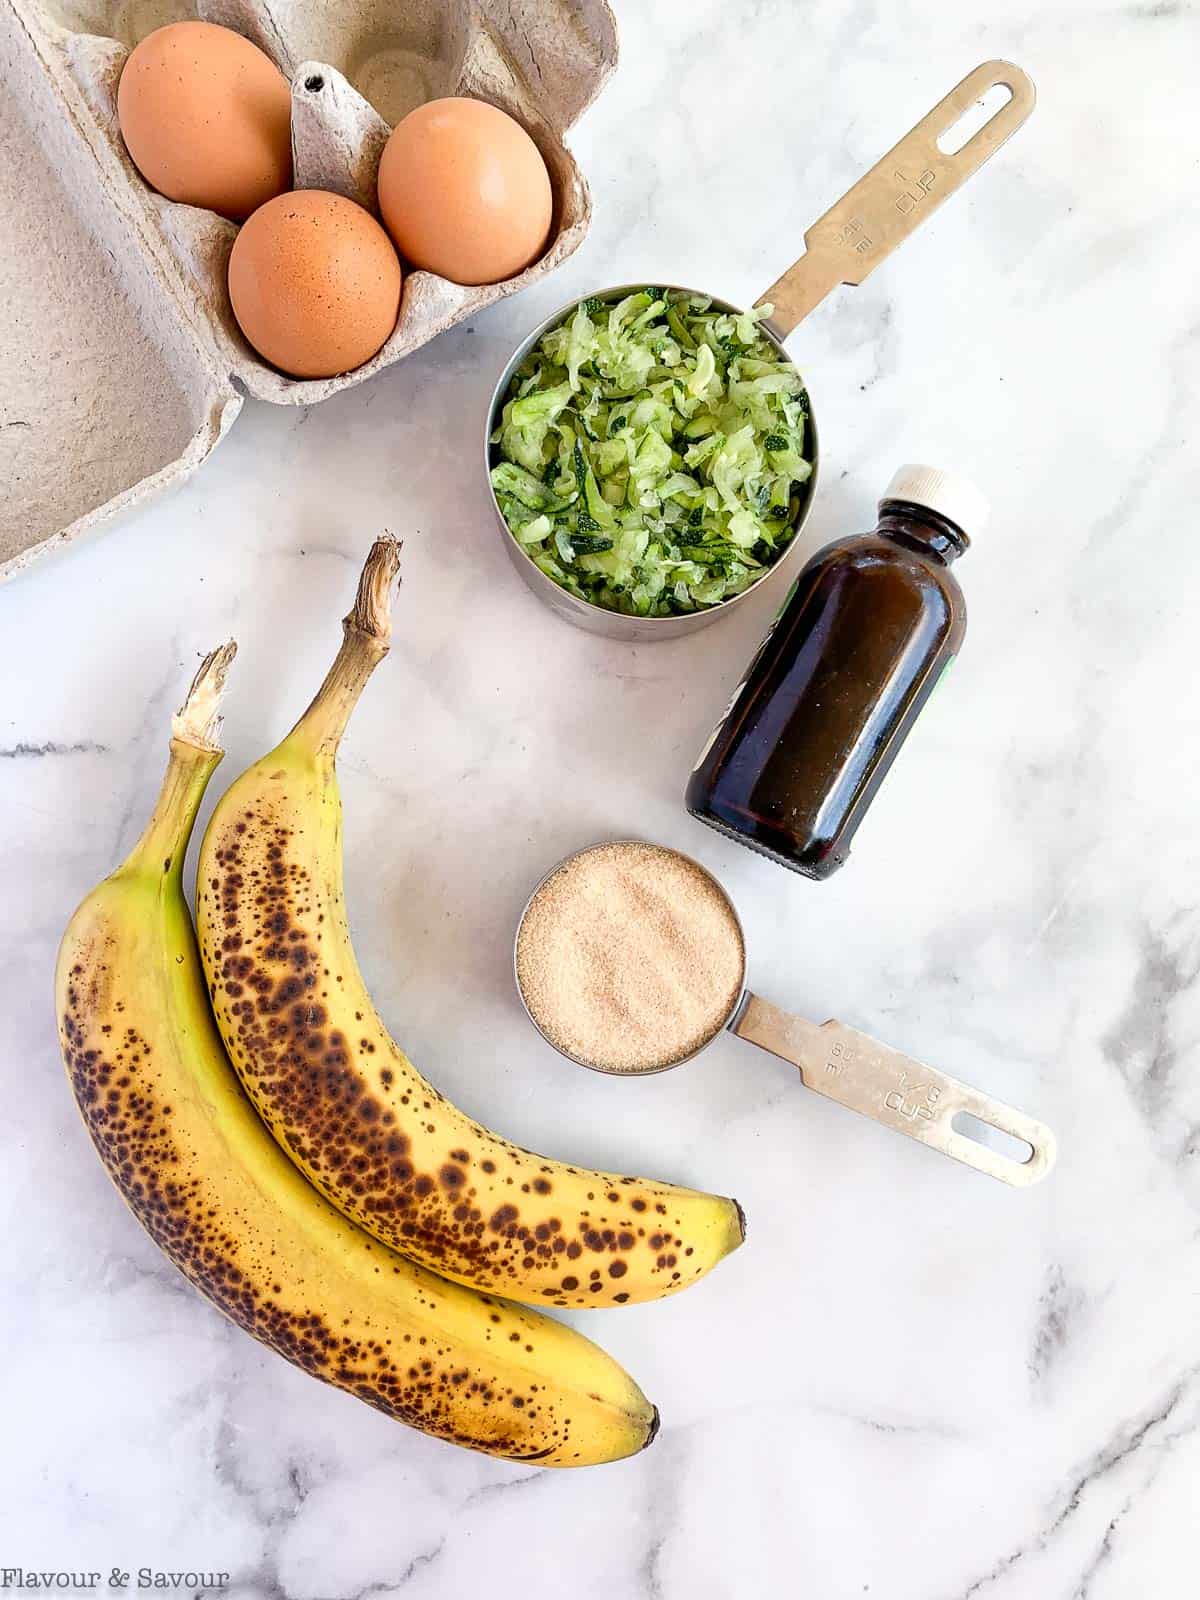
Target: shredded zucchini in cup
<point>651,455</point>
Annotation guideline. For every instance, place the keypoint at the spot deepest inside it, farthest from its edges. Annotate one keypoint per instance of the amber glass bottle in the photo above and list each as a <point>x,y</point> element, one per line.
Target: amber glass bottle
<point>870,626</point>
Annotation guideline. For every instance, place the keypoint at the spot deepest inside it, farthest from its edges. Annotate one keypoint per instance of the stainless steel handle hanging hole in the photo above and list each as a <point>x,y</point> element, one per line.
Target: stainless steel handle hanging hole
<point>974,119</point>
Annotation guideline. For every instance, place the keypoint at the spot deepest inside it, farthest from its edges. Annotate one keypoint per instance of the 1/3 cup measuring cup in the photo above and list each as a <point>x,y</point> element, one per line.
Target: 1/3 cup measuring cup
<point>904,188</point>
<point>838,1061</point>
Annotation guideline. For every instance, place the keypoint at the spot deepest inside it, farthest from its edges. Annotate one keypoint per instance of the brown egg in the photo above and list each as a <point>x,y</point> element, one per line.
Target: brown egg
<point>464,192</point>
<point>207,118</point>
<point>315,283</point>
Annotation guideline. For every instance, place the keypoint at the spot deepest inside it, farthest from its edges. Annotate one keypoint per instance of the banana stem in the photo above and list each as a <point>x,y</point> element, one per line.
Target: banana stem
<point>198,720</point>
<point>195,755</point>
<point>368,636</point>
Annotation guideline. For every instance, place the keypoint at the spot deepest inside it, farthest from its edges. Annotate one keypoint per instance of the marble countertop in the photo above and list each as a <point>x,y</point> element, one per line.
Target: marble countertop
<point>912,1383</point>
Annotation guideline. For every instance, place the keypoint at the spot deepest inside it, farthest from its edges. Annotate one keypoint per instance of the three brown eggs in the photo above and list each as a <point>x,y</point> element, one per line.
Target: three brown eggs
<point>314,280</point>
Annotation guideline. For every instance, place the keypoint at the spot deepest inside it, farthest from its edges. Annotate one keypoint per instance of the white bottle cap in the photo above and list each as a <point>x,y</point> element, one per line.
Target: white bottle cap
<point>948,493</point>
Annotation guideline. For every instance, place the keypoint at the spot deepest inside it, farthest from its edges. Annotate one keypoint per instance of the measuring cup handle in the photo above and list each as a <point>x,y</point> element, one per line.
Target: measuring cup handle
<point>898,194</point>
<point>902,1093</point>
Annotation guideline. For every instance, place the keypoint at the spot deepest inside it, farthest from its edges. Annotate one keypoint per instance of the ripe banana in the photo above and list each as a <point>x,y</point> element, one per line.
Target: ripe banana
<point>213,1189</point>
<point>342,1097</point>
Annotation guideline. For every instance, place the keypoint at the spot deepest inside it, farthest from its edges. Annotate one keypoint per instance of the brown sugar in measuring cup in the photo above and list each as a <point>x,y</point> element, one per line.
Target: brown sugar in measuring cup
<point>630,959</point>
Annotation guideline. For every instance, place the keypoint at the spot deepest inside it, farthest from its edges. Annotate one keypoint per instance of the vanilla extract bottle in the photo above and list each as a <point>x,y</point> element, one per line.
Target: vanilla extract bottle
<point>871,624</point>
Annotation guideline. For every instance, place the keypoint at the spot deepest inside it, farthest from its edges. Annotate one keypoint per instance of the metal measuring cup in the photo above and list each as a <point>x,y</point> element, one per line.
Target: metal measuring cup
<point>842,1064</point>
<point>844,246</point>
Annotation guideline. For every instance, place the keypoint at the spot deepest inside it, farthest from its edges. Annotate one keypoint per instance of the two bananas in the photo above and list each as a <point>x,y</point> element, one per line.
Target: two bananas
<point>332,1203</point>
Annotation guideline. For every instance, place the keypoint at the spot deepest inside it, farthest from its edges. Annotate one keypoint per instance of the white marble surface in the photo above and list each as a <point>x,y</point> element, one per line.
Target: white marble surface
<point>912,1383</point>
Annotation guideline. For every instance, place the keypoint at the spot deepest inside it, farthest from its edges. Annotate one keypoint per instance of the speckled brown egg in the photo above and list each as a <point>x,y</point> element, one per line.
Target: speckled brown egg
<point>464,192</point>
<point>207,118</point>
<point>315,283</point>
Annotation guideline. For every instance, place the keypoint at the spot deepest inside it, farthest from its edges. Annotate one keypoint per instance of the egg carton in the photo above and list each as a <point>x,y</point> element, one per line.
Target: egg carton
<point>125,366</point>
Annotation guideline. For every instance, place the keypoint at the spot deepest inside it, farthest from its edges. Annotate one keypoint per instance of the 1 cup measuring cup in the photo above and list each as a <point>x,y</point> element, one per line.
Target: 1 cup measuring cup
<point>837,1061</point>
<point>882,209</point>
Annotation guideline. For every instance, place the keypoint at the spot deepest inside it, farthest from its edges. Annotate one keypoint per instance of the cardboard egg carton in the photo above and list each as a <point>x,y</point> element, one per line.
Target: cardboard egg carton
<point>126,366</point>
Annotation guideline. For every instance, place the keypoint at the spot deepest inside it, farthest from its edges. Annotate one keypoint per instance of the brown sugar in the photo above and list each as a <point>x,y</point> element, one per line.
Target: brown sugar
<point>629,957</point>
